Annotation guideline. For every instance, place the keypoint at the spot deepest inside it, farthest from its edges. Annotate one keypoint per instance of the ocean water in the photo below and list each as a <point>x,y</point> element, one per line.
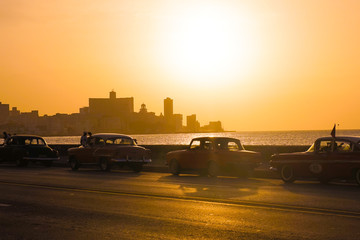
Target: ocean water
<point>247,138</point>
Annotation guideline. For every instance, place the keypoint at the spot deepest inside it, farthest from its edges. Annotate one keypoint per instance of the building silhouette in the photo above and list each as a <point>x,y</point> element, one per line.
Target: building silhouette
<point>110,114</point>
<point>111,106</point>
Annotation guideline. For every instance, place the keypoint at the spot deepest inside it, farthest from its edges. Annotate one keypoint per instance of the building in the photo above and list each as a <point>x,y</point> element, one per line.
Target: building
<point>168,108</point>
<point>192,125</point>
<point>112,106</point>
<point>213,127</point>
<point>4,113</point>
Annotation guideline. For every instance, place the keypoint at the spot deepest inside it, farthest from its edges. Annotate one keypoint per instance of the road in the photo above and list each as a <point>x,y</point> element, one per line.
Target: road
<point>56,203</point>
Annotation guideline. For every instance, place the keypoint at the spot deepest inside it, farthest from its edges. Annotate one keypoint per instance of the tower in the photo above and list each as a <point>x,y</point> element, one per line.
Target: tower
<point>168,108</point>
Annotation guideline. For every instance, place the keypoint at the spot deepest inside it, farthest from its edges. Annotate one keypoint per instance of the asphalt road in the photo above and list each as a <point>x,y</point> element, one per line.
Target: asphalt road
<point>56,203</point>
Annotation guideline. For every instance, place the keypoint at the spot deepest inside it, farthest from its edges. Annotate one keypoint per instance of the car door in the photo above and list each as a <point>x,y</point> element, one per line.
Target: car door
<point>196,156</point>
<point>86,154</point>
<point>340,160</point>
<point>7,150</point>
<point>317,164</point>
<point>227,152</point>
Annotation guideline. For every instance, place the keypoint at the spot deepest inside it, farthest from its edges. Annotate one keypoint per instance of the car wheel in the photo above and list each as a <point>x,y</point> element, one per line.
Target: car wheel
<point>357,176</point>
<point>137,167</point>
<point>174,167</point>
<point>74,164</point>
<point>104,164</point>
<point>287,174</point>
<point>213,169</point>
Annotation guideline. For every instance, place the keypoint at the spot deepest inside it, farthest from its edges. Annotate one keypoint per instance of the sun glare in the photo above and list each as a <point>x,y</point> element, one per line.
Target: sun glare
<point>208,43</point>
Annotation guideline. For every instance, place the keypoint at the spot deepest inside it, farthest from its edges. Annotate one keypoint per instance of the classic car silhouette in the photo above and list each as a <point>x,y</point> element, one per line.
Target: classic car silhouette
<point>108,149</point>
<point>328,158</point>
<point>213,156</point>
<point>22,149</point>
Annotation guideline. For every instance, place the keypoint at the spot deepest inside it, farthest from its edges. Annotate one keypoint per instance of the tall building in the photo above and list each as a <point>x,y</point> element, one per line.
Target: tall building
<point>168,108</point>
<point>192,124</point>
<point>4,112</point>
<point>112,106</point>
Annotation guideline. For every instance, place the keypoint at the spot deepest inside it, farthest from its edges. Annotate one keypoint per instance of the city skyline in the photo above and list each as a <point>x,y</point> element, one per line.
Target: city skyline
<point>256,65</point>
<point>110,114</point>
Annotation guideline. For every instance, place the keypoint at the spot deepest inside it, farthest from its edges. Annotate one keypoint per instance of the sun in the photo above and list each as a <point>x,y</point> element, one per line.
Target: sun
<point>210,42</point>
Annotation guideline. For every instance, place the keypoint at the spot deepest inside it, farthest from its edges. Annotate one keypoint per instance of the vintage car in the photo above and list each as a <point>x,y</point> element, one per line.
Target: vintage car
<point>22,149</point>
<point>328,158</point>
<point>107,149</point>
<point>213,156</point>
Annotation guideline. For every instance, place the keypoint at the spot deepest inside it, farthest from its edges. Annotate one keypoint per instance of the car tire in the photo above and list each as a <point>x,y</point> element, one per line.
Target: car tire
<point>104,164</point>
<point>174,167</point>
<point>74,164</point>
<point>287,174</point>
<point>137,167</point>
<point>213,169</point>
<point>357,176</point>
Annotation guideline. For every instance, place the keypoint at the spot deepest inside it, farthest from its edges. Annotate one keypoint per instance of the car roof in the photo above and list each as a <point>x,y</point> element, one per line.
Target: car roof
<point>354,139</point>
<point>215,138</point>
<point>111,135</point>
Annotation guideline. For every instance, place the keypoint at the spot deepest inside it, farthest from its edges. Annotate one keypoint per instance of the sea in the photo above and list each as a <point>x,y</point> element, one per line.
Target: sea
<point>246,137</point>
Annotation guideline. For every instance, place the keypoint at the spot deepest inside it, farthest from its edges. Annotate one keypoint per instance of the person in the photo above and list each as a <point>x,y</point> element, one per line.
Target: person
<point>6,136</point>
<point>88,138</point>
<point>83,139</point>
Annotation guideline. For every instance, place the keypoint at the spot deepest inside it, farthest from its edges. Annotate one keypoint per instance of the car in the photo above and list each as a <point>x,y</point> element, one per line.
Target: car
<point>107,150</point>
<point>22,149</point>
<point>327,159</point>
<point>213,156</point>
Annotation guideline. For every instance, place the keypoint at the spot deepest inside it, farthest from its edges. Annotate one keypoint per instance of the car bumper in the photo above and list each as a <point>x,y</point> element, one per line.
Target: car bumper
<point>124,160</point>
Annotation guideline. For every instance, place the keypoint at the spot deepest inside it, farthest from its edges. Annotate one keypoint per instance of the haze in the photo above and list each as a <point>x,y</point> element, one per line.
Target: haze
<point>254,65</point>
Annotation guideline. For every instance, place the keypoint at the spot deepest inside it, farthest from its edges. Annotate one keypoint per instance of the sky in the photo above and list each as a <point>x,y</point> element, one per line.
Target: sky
<point>255,65</point>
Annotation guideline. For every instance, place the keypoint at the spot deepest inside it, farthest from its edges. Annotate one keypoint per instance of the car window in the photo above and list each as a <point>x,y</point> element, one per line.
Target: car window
<point>41,141</point>
<point>311,148</point>
<point>232,146</point>
<point>123,141</point>
<point>229,145</point>
<point>343,146</point>
<point>325,146</point>
<point>34,141</point>
<point>98,141</point>
<point>195,144</point>
<point>207,145</point>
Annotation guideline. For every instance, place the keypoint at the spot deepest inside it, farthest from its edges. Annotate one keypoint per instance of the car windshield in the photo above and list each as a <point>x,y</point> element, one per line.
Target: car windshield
<point>312,148</point>
<point>120,141</point>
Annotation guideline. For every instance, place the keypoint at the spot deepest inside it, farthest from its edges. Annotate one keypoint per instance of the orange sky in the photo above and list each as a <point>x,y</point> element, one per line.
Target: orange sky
<point>254,65</point>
